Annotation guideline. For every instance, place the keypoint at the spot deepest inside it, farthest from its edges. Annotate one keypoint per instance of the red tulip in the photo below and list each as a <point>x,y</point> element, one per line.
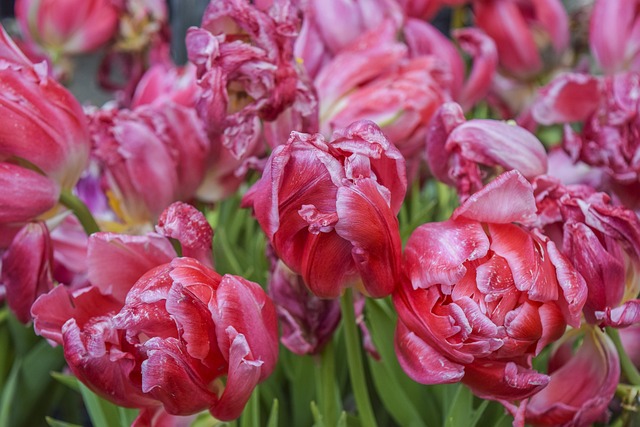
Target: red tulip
<point>328,209</point>
<point>182,327</point>
<point>483,294</point>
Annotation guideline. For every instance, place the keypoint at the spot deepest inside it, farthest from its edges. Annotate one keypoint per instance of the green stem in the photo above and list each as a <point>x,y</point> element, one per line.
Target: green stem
<point>354,360</point>
<point>327,388</point>
<point>628,368</point>
<point>80,210</point>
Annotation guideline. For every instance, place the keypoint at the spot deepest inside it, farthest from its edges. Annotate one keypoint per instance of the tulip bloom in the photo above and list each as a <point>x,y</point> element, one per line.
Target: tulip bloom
<point>483,294</point>
<point>44,140</point>
<point>617,50</point>
<point>524,31</point>
<point>456,148</point>
<point>67,27</point>
<point>424,39</point>
<point>602,241</point>
<point>582,384</point>
<point>149,157</point>
<point>328,209</point>
<point>245,66</point>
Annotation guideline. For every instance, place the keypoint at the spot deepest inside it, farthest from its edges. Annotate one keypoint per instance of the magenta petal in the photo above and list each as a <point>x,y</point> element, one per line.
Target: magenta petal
<point>485,61</point>
<point>168,376</point>
<point>366,220</point>
<point>448,117</point>
<point>421,362</point>
<point>435,252</point>
<point>508,198</point>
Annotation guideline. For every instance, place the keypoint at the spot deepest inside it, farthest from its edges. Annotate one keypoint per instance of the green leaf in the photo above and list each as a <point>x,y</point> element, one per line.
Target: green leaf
<point>273,417</point>
<point>68,380</point>
<point>9,394</point>
<point>406,401</point>
<point>317,416</point>
<point>101,412</point>
<point>461,408</point>
<point>477,414</point>
<point>57,423</point>
<point>251,414</point>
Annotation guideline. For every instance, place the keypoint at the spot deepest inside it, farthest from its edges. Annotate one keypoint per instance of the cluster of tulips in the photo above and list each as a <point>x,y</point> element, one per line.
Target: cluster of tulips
<point>462,206</point>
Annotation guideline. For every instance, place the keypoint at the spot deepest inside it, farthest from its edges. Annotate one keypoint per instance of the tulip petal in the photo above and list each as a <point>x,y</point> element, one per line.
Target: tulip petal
<point>435,252</point>
<point>366,220</point>
<point>25,193</point>
<point>503,380</point>
<point>570,97</point>
<point>421,362</point>
<point>508,198</point>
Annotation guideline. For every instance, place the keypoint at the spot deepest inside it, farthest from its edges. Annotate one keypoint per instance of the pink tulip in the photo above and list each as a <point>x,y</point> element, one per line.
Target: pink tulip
<point>456,148</point>
<point>44,140</point>
<point>150,157</point>
<point>245,66</point>
<point>307,322</point>
<point>330,27</point>
<point>569,97</point>
<point>483,294</point>
<point>424,39</point>
<point>166,82</point>
<point>582,384</point>
<point>524,31</point>
<point>64,27</point>
<point>617,50</point>
<point>328,209</point>
<point>602,241</point>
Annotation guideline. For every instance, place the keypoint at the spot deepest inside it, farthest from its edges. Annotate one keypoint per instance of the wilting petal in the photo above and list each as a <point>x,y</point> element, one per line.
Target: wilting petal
<point>421,362</point>
<point>449,244</point>
<point>506,199</point>
<point>579,399</point>
<point>26,269</point>
<point>570,97</point>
